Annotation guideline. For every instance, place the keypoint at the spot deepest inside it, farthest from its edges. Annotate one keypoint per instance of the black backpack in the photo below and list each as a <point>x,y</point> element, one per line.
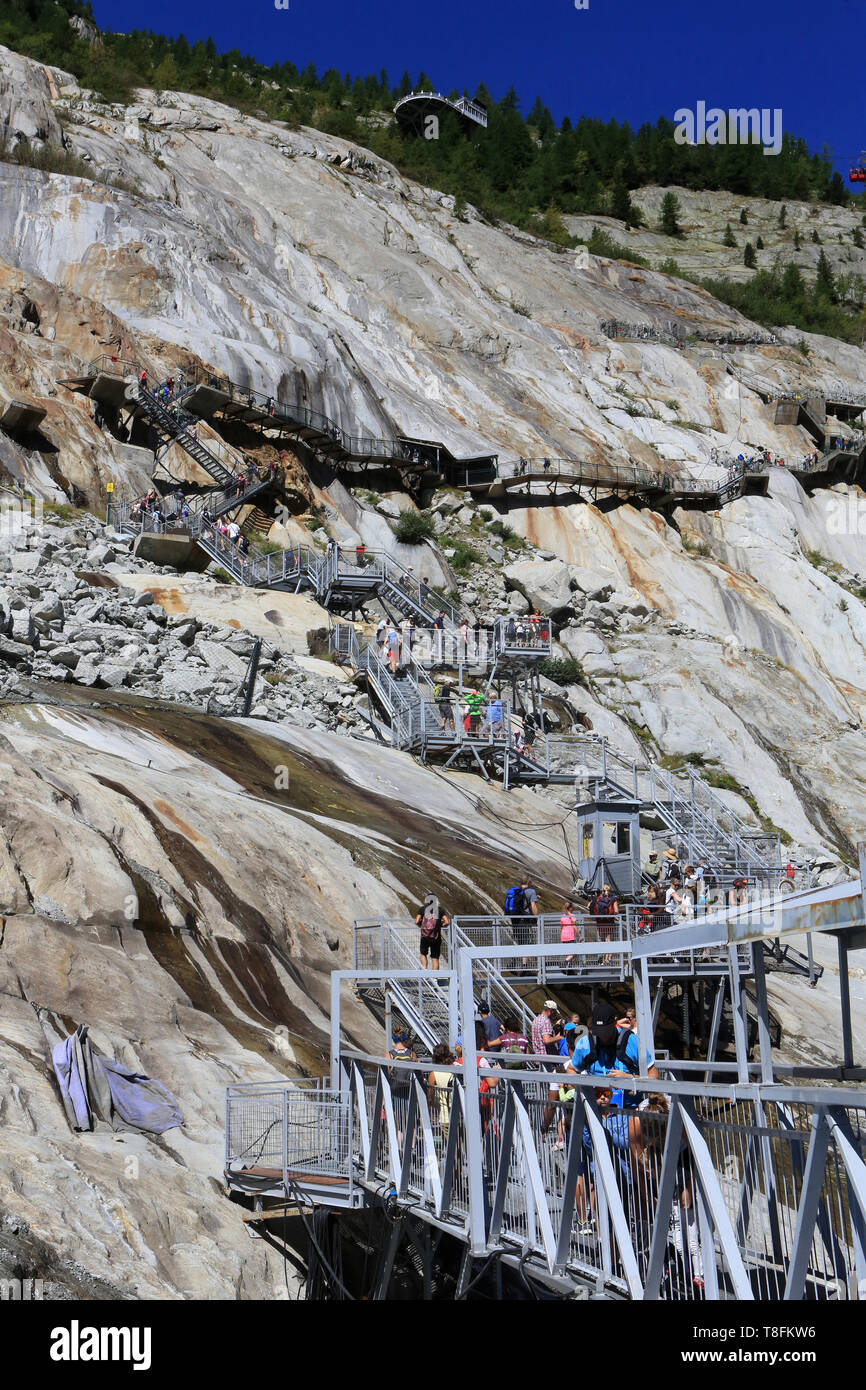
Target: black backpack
<point>625,1063</point>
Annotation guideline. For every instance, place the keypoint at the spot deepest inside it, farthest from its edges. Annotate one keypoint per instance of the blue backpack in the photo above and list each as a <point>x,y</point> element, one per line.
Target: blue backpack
<point>515,902</point>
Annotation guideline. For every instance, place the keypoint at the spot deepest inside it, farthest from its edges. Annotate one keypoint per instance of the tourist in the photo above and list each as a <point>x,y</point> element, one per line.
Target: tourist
<point>605,1051</point>
<point>431,920</point>
<point>568,932</point>
<point>604,910</point>
<point>493,1028</point>
<point>446,709</point>
<point>521,906</point>
<point>440,1088</point>
<point>512,1041</point>
<point>424,591</point>
<point>546,1038</point>
<point>652,869</point>
<point>394,649</point>
<point>474,702</point>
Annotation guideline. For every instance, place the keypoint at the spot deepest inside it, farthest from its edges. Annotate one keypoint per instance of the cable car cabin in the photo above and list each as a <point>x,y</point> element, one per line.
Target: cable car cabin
<point>857,175</point>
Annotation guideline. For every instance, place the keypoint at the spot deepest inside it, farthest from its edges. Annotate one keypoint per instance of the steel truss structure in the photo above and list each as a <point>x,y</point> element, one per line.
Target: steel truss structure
<point>752,1187</point>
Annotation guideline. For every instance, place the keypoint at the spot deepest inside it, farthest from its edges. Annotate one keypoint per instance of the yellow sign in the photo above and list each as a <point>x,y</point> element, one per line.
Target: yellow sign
<point>109,487</point>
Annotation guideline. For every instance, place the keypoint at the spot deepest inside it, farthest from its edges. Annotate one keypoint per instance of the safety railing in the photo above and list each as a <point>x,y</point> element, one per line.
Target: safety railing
<point>690,1193</point>
<point>522,637</point>
<point>293,1134</point>
<point>590,474</point>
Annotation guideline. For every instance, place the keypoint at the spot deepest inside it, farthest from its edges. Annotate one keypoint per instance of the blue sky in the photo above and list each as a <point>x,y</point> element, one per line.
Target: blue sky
<point>618,58</point>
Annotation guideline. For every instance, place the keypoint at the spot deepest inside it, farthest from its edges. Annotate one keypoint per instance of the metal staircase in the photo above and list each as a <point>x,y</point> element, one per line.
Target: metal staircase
<point>180,427</point>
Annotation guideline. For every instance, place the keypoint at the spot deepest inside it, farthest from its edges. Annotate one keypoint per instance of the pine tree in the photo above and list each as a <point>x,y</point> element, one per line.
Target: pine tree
<point>728,239</point>
<point>858,238</point>
<point>825,285</point>
<point>622,207</point>
<point>815,237</point>
<point>744,216</point>
<point>670,211</point>
<point>759,244</point>
<point>796,239</point>
<point>750,260</point>
<point>783,215</point>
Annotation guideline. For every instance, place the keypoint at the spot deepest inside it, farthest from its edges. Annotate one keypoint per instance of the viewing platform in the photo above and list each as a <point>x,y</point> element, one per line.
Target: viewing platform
<point>413,110</point>
<point>21,417</point>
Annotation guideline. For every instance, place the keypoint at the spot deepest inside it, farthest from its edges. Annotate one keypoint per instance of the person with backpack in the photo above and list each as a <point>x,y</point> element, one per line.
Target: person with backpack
<point>604,909</point>
<point>512,1043</point>
<point>521,905</point>
<point>608,1051</point>
<point>431,919</point>
<point>442,696</point>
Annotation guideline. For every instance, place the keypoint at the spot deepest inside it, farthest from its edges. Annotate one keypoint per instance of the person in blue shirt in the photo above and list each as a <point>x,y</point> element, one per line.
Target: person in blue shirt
<point>607,1051</point>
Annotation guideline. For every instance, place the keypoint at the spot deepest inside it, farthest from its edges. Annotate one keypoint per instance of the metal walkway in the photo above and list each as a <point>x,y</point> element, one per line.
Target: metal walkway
<point>115,380</point>
<point>747,1184</point>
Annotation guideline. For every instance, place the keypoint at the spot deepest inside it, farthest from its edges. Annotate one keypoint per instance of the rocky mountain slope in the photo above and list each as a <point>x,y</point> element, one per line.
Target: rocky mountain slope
<point>158,879</point>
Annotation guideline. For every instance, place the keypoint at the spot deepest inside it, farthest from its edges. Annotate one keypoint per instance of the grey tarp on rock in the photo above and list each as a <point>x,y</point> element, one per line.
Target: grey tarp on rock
<point>93,1086</point>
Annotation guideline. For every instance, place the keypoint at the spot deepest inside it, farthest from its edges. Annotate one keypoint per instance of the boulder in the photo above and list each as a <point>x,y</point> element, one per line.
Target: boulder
<point>590,582</point>
<point>545,584</point>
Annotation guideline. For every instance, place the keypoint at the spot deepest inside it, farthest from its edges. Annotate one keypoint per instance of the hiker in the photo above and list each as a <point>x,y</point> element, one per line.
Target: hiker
<point>546,1038</point>
<point>672,868</point>
<point>674,900</point>
<point>431,919</point>
<point>652,868</point>
<point>401,1081</point>
<point>394,653</point>
<point>521,905</point>
<point>511,633</point>
<point>568,932</point>
<point>381,629</point>
<point>604,909</point>
<point>494,718</point>
<point>529,731</point>
<point>607,1051</point>
<point>424,591</point>
<point>512,1041</point>
<point>142,379</point>
<point>493,1027</point>
<point>446,709</point>
<point>440,1088</point>
<point>464,636</point>
<point>474,701</point>
<point>360,552</point>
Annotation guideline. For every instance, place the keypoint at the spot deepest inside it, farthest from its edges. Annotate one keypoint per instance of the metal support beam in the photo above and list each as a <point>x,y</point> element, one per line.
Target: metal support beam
<point>807,1213</point>
<point>845,1001</point>
<point>765,1049</point>
<point>738,1011</point>
<point>644,1016</point>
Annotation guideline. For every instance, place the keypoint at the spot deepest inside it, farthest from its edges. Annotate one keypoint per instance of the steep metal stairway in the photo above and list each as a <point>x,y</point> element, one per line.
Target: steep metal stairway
<point>700,820</point>
<point>180,427</point>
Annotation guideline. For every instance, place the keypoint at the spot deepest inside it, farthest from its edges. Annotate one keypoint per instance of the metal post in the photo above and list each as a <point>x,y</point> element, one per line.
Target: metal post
<point>715,1024</point>
<point>336,980</point>
<point>250,681</point>
<point>644,1014</point>
<point>845,1001</point>
<point>474,1153</point>
<point>765,1051</point>
<point>738,1011</point>
<point>388,1033</point>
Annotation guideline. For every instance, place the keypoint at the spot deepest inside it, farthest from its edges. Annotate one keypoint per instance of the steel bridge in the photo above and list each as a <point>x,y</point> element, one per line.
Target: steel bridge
<point>743,1179</point>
